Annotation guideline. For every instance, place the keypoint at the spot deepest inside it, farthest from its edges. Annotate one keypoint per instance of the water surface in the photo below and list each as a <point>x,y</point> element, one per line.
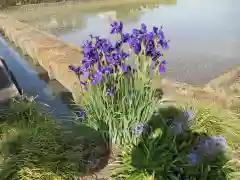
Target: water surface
<point>49,94</point>
<point>205,35</point>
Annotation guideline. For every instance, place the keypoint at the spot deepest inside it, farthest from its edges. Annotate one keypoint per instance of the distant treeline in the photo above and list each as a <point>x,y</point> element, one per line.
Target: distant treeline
<point>5,3</point>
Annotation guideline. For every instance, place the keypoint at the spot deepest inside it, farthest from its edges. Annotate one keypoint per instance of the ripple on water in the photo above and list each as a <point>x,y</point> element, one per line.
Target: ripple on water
<point>204,35</point>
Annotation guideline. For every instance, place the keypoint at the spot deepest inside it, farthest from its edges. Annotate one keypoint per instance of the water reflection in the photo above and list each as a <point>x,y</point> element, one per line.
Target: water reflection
<point>204,35</point>
<point>60,24</point>
<point>27,77</point>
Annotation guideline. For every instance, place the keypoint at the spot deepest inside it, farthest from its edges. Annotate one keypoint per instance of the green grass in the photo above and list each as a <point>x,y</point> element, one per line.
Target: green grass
<point>34,146</point>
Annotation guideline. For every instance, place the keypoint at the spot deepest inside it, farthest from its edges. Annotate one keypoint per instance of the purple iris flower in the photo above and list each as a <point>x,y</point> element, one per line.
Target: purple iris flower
<point>162,68</point>
<point>108,71</point>
<point>150,47</point>
<point>163,44</point>
<point>155,29</point>
<point>77,70</point>
<point>107,58</point>
<point>117,27</point>
<point>106,48</point>
<point>110,92</point>
<point>116,57</point>
<point>136,45</point>
<point>87,52</point>
<point>150,36</point>
<point>161,37</point>
<point>193,157</point>
<point>135,33</point>
<point>90,54</point>
<point>160,33</point>
<point>87,45</point>
<point>140,128</point>
<point>98,77</point>
<point>118,45</point>
<point>86,65</point>
<point>86,74</point>
<point>98,42</point>
<point>143,28</point>
<point>85,84</point>
<point>155,55</point>
<point>125,37</point>
<point>94,82</point>
<point>72,68</point>
<point>83,115</point>
<point>105,45</point>
<point>99,66</point>
<point>124,55</point>
<point>126,68</point>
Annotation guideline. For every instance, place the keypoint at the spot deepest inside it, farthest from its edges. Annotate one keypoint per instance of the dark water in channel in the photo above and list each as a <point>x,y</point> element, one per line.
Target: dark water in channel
<point>205,35</point>
<point>32,81</point>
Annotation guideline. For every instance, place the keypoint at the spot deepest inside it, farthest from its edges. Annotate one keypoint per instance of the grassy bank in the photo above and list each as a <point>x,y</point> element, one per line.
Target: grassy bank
<point>33,146</point>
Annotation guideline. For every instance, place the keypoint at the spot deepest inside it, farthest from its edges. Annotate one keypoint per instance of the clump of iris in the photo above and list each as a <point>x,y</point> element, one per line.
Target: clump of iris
<point>136,53</point>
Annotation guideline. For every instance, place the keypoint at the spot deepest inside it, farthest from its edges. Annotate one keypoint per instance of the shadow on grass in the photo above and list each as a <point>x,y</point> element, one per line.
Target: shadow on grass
<point>34,146</point>
<point>168,151</point>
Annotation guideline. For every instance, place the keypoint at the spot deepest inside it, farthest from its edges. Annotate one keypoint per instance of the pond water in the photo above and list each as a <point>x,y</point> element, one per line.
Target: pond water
<point>204,35</point>
<point>49,94</point>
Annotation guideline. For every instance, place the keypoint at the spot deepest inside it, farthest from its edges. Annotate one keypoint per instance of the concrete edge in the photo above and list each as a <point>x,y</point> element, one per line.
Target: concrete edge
<point>49,52</point>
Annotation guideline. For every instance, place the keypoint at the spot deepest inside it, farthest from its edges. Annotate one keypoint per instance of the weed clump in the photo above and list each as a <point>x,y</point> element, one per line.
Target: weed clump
<point>34,146</point>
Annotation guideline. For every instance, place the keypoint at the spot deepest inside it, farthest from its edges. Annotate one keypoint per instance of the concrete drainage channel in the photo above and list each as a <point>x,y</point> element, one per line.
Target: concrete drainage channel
<point>18,77</point>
